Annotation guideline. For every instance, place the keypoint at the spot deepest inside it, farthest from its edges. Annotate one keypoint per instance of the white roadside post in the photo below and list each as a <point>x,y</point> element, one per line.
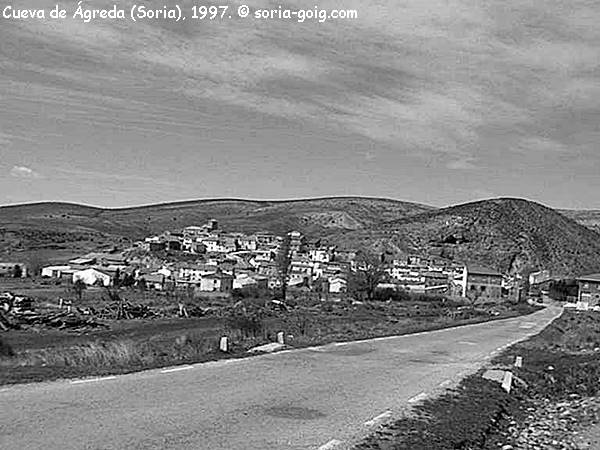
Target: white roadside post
<point>223,344</point>
<point>280,338</point>
<point>507,381</point>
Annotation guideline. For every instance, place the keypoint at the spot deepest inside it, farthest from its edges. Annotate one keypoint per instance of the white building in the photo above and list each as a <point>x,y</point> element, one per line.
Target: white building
<point>92,277</point>
<point>248,243</point>
<point>245,280</point>
<point>320,255</point>
<point>337,285</point>
<point>54,271</point>
<point>216,282</point>
<point>195,272</point>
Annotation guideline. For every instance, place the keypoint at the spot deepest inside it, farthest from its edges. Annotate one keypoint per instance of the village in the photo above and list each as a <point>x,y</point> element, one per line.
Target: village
<point>212,262</point>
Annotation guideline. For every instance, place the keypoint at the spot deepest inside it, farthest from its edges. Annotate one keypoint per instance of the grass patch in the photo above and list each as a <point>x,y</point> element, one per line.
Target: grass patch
<point>6,350</point>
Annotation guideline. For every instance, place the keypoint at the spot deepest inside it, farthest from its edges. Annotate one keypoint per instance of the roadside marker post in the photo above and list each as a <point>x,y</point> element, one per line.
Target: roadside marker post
<point>223,344</point>
<point>519,361</point>
<point>280,338</point>
<point>507,381</point>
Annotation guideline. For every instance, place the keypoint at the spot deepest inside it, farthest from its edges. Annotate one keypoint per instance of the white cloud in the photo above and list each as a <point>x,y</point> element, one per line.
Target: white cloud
<point>24,172</point>
<point>462,164</point>
<point>539,145</point>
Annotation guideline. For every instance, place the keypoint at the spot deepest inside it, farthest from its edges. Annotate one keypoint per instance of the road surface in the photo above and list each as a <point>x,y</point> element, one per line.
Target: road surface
<point>324,397</point>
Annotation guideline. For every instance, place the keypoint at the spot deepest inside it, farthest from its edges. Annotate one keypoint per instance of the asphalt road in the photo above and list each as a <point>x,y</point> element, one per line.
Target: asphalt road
<point>325,397</point>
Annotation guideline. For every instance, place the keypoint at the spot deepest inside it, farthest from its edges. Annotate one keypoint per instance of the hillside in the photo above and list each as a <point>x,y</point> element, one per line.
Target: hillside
<point>507,234</point>
<point>51,231</point>
<point>589,218</point>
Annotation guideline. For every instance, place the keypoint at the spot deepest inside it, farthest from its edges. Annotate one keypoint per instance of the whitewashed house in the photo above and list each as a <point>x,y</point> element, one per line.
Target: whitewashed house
<point>337,285</point>
<point>54,271</point>
<point>92,277</point>
<point>216,282</point>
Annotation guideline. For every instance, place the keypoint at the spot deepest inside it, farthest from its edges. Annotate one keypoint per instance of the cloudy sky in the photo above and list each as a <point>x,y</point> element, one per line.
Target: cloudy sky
<point>435,101</point>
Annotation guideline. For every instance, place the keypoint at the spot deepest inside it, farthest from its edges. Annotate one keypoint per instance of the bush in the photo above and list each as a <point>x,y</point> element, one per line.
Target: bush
<point>6,350</point>
<point>249,292</point>
<point>247,318</point>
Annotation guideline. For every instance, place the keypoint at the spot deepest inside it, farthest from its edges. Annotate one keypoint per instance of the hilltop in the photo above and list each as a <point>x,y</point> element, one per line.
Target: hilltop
<point>510,235</point>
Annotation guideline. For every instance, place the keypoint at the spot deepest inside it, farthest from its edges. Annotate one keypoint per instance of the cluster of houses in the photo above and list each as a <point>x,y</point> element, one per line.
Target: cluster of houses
<point>13,270</point>
<point>215,261</point>
<point>227,261</point>
<point>212,261</point>
<point>93,269</point>
<point>438,276</point>
<point>206,259</point>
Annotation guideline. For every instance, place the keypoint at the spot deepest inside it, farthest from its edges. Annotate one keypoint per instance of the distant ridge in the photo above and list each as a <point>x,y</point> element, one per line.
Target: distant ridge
<point>506,234</point>
<point>187,202</point>
<point>58,229</point>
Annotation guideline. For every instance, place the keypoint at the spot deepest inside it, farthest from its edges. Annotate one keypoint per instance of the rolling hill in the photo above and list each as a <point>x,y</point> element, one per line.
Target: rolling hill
<point>510,235</point>
<point>53,231</point>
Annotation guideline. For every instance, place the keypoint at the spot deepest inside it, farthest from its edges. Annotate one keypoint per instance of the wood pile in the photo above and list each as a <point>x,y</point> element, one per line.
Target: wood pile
<point>62,320</point>
<point>18,312</point>
<point>124,310</point>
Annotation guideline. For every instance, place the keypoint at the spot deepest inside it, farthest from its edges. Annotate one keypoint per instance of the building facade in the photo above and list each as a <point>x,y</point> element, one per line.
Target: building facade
<point>589,289</point>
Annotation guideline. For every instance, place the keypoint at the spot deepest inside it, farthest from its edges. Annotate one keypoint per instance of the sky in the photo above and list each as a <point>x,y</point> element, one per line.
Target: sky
<point>432,101</point>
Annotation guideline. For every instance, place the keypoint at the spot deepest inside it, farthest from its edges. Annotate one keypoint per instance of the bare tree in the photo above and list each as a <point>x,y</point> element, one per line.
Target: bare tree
<point>472,297</point>
<point>78,287</point>
<point>370,271</point>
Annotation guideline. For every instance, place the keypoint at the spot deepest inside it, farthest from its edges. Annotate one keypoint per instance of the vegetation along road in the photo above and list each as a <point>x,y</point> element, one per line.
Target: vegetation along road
<point>320,397</point>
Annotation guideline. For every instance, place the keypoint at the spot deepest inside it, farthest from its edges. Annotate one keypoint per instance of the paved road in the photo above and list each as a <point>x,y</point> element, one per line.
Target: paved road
<point>304,399</point>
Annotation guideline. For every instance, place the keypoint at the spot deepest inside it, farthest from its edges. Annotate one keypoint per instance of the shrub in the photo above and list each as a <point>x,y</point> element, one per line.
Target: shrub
<point>6,350</point>
<point>249,292</point>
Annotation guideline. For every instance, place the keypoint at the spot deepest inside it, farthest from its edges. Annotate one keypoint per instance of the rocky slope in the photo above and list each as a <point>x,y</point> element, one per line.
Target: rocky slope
<point>510,235</point>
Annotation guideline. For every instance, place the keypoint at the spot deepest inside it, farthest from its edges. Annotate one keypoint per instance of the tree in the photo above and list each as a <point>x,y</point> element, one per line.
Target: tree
<point>370,271</point>
<point>128,280</point>
<point>17,271</point>
<point>142,285</point>
<point>78,287</point>
<point>117,278</point>
<point>35,263</point>
<point>472,297</point>
<point>284,260</point>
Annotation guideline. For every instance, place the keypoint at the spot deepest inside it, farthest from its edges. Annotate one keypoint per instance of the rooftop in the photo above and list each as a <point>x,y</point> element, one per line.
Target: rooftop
<point>478,270</point>
<point>592,277</point>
